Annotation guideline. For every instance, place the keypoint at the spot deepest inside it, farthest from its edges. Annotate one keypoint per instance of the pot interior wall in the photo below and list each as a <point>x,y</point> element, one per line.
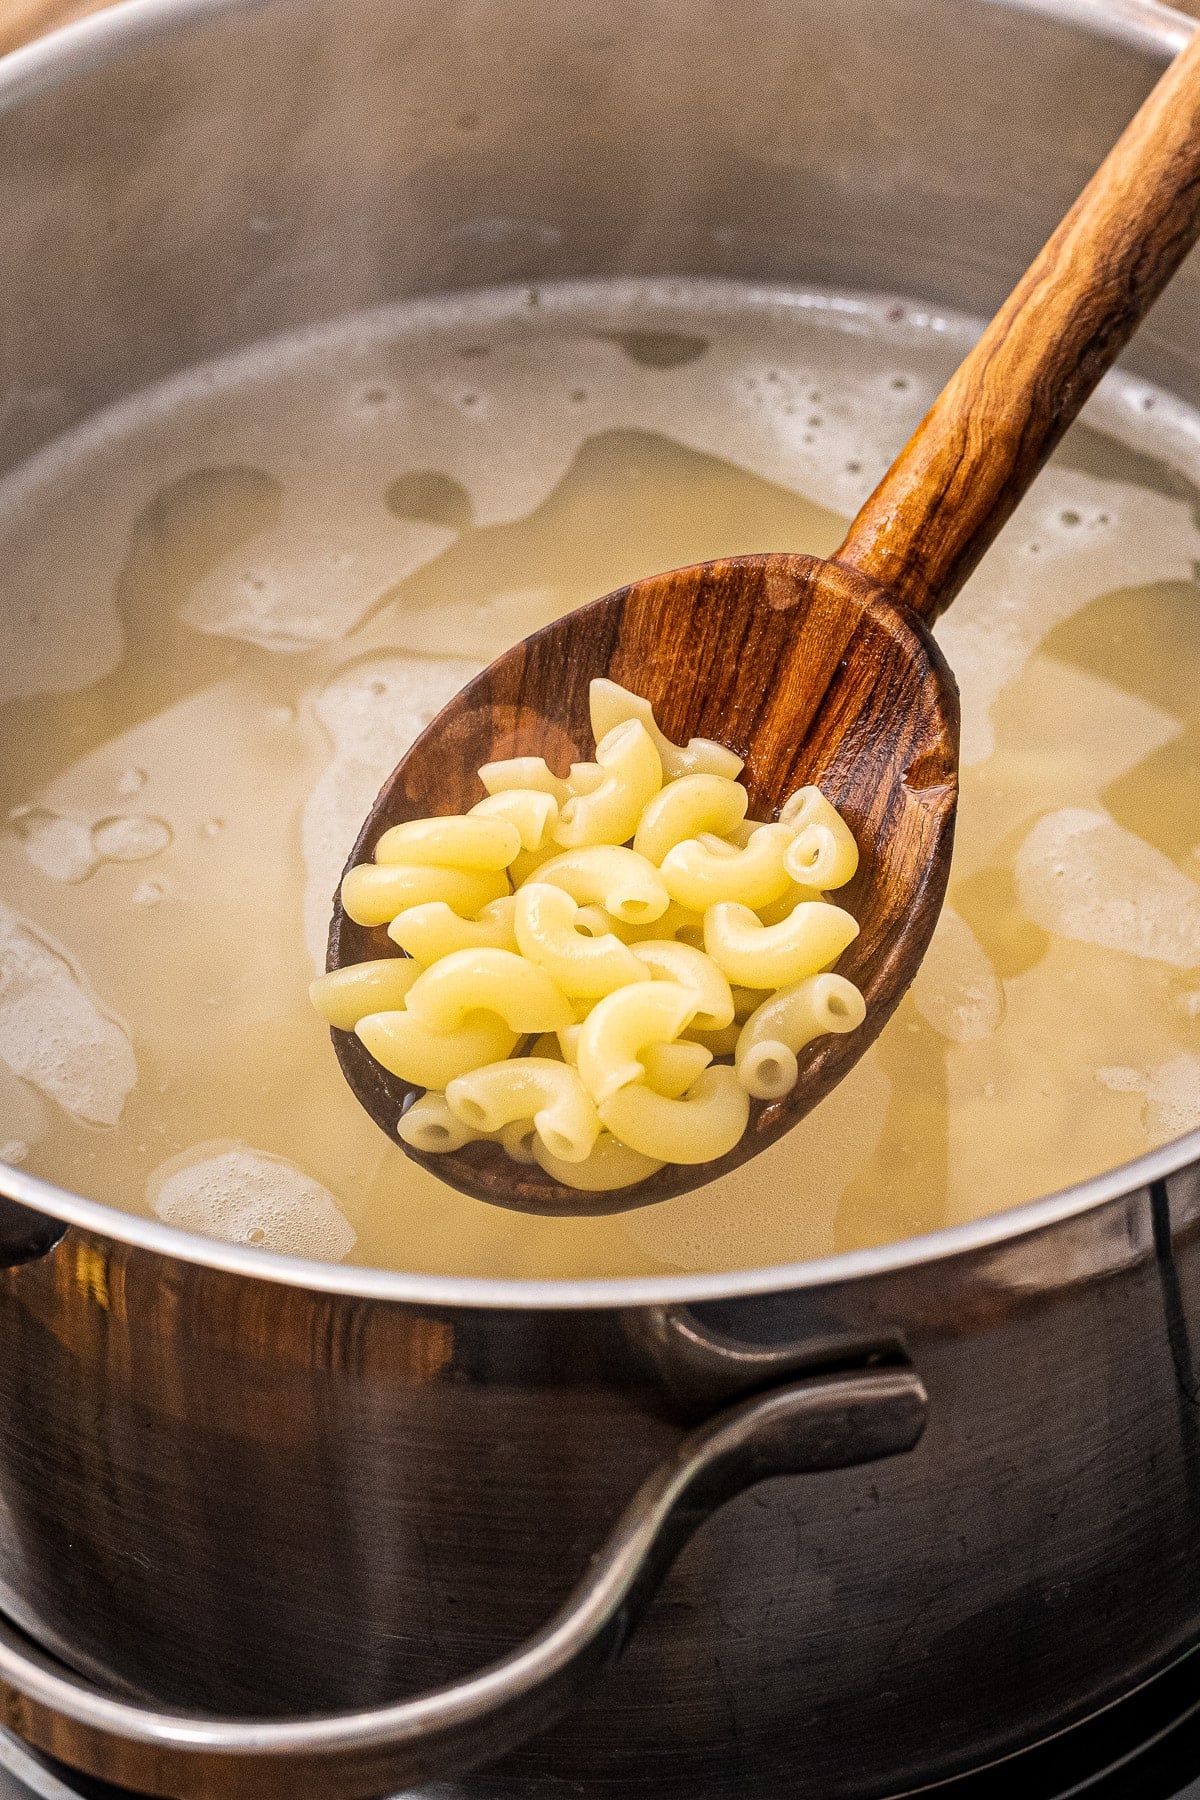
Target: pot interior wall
<point>264,167</point>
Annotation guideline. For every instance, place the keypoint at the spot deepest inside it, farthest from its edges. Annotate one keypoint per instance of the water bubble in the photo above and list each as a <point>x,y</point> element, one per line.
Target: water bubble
<point>14,1151</point>
<point>149,893</point>
<point>281,715</point>
<point>212,828</point>
<point>131,781</point>
<point>130,837</point>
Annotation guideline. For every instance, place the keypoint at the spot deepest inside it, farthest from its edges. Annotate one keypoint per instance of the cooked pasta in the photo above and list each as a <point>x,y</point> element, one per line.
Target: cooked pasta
<point>823,854</point>
<point>624,1022</point>
<point>774,956</point>
<point>435,930</point>
<point>494,981</point>
<point>692,969</point>
<point>611,1165</point>
<point>579,949</point>
<point>529,1087</point>
<point>608,812</point>
<point>429,1124</point>
<point>534,814</point>
<point>347,995</point>
<point>685,808</point>
<point>704,871</point>
<point>612,705</point>
<point>373,893</point>
<point>472,842</point>
<point>582,965</point>
<point>704,1124</point>
<point>431,1059</point>
<point>523,772</point>
<point>777,1030</point>
<point>619,880</point>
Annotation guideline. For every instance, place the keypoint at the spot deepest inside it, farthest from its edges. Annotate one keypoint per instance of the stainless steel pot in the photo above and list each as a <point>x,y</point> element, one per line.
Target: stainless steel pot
<point>243,1499</point>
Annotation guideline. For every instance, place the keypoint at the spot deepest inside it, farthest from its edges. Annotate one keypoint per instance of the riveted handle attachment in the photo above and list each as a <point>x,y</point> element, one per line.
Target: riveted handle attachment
<point>827,1422</point>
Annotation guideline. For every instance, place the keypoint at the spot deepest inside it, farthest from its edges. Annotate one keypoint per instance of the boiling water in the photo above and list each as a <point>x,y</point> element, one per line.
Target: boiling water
<point>229,606</point>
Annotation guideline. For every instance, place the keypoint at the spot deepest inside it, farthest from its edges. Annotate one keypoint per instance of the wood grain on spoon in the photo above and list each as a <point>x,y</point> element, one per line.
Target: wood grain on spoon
<point>824,671</point>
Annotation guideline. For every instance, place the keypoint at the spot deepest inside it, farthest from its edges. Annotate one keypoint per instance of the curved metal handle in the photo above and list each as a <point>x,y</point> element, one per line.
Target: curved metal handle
<point>827,1422</point>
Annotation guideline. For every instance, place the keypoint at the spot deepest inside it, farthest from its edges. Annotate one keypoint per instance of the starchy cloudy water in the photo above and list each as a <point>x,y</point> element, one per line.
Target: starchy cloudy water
<point>230,605</point>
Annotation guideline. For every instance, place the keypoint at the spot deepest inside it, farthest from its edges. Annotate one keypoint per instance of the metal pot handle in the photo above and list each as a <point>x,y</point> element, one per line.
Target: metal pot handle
<point>825,1422</point>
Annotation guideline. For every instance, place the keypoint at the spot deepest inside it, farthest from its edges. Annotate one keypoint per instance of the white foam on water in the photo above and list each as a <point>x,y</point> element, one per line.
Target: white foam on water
<point>1083,876</point>
<point>1064,735</point>
<point>227,1190</point>
<point>61,847</point>
<point>1072,538</point>
<point>1171,1091</point>
<point>301,583</point>
<point>53,1032</point>
<point>371,711</point>
<point>956,990</point>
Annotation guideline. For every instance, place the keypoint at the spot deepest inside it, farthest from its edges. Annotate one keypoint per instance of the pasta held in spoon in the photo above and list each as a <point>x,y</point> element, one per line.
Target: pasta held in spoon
<point>601,972</point>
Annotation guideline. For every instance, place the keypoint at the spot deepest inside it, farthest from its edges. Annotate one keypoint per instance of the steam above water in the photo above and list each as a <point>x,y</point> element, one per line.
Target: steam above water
<point>294,558</point>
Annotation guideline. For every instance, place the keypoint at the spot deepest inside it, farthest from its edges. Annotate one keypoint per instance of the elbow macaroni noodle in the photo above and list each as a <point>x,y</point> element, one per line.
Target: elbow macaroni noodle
<point>579,950</point>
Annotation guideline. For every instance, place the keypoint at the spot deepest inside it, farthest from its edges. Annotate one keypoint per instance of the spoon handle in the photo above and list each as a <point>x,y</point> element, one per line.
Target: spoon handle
<point>1000,415</point>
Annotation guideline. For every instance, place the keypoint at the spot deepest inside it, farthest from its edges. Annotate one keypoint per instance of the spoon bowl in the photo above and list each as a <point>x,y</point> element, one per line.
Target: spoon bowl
<point>809,671</point>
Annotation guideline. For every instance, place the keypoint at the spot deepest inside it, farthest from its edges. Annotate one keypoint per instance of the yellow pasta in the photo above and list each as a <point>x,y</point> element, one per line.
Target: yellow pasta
<point>621,1025</point>
<point>719,1043</point>
<point>620,880</point>
<point>529,1087</point>
<point>678,921</point>
<point>669,960</point>
<point>526,863</point>
<point>823,853</point>
<point>430,1125</point>
<point>435,930</point>
<point>523,772</point>
<point>773,956</point>
<point>781,1027</point>
<point>450,843</point>
<point>611,1165</point>
<point>706,1123</point>
<point>684,808</point>
<point>494,981</point>
<point>699,874</point>
<point>608,811</point>
<point>373,894</point>
<point>581,965</point>
<point>634,923</point>
<point>532,813</point>
<point>672,1068</point>
<point>612,705</point>
<point>347,995</point>
<point>407,1048</point>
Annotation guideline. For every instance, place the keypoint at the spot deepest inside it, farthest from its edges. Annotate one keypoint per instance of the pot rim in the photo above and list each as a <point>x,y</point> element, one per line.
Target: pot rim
<point>88,43</point>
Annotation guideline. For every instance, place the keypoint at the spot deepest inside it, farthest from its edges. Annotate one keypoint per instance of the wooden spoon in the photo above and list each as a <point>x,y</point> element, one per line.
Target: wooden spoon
<point>824,671</point>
